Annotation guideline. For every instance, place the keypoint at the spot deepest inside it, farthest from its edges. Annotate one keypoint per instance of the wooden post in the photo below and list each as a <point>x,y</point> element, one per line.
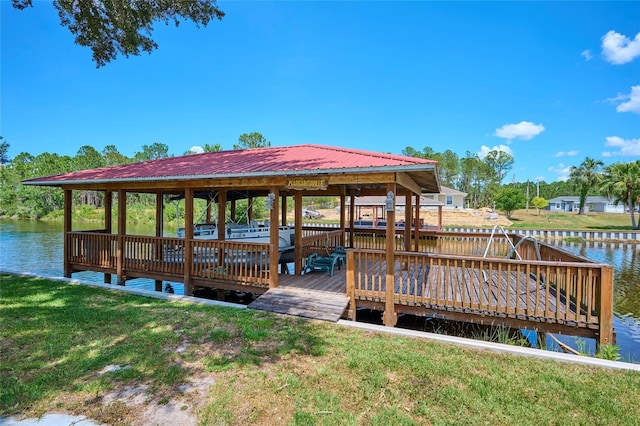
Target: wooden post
<point>390,317</point>
<point>67,227</point>
<point>222,215</point>
<point>159,255</point>
<point>250,209</point>
<point>274,233</point>
<point>122,231</point>
<point>351,285</point>
<point>209,210</point>
<point>343,214</point>
<point>439,218</point>
<point>108,217</point>
<point>298,232</point>
<point>416,227</point>
<point>188,240</point>
<point>352,209</point>
<point>408,215</point>
<point>232,212</point>
<point>284,210</point>
<point>606,335</point>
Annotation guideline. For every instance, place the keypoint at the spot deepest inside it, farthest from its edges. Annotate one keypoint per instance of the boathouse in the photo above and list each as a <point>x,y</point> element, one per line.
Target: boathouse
<point>496,278</point>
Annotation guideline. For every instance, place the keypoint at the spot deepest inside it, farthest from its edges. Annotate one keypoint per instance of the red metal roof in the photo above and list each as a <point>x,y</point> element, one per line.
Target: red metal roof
<point>291,160</point>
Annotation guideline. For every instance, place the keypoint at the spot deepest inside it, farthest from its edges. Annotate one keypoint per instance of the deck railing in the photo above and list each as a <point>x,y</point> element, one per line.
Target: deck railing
<point>237,261</point>
<point>153,254</point>
<point>322,243</point>
<point>92,249</point>
<point>562,292</point>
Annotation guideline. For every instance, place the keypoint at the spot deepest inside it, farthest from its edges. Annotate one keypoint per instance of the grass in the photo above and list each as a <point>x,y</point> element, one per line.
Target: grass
<point>56,338</point>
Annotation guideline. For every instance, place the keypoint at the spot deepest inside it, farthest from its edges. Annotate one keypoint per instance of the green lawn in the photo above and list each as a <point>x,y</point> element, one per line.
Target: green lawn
<point>266,369</point>
<point>570,221</point>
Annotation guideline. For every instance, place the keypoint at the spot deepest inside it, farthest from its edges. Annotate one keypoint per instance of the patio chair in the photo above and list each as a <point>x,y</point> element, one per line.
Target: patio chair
<point>321,263</point>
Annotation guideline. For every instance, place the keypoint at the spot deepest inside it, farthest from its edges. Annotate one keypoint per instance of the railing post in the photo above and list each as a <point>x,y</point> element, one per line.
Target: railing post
<point>351,285</point>
<point>605,311</point>
<point>108,203</point>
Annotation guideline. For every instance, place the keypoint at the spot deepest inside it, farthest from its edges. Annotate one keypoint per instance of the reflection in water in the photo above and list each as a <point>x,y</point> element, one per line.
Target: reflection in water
<point>36,247</point>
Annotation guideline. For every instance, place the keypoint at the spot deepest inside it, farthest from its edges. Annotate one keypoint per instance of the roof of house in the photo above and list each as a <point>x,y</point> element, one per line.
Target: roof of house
<point>450,191</point>
<point>296,160</point>
<point>575,199</point>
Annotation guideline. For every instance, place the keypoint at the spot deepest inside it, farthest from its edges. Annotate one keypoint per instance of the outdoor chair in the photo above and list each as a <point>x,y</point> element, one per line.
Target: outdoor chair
<point>321,263</point>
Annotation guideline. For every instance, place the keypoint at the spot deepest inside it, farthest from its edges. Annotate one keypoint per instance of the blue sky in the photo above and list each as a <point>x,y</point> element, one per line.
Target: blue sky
<point>549,82</point>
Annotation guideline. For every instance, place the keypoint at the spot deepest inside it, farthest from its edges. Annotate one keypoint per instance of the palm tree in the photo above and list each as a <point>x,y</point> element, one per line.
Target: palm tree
<point>622,181</point>
<point>584,177</point>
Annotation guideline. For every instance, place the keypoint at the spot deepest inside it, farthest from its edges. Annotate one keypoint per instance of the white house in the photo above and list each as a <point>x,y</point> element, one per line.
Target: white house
<point>449,197</point>
<point>570,203</point>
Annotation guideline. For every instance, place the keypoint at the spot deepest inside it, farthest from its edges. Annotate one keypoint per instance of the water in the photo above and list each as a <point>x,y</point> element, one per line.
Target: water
<point>36,247</point>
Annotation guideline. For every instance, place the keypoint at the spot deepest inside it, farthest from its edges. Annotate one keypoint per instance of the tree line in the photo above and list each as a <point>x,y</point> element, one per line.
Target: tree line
<point>22,201</point>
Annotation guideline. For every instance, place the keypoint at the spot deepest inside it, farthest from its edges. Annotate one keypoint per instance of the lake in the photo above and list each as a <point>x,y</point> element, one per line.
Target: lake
<point>36,247</point>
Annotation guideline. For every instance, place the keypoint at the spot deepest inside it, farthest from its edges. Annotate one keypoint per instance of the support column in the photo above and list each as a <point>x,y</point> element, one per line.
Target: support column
<point>108,218</point>
<point>222,223</point>
<point>408,216</point>
<point>159,231</point>
<point>606,335</point>
<point>233,210</point>
<point>352,209</point>
<point>416,226</point>
<point>122,231</point>
<point>284,210</point>
<point>67,227</point>
<point>297,205</point>
<point>188,240</point>
<point>390,317</point>
<point>274,238</point>
<point>343,214</point>
<point>439,218</point>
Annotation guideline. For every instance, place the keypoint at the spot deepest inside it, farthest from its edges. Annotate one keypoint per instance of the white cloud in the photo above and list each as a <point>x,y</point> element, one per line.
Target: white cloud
<point>524,130</point>
<point>625,147</point>
<point>587,54</point>
<point>484,150</point>
<point>619,49</point>
<point>196,149</point>
<point>567,153</point>
<point>561,171</point>
<point>631,101</point>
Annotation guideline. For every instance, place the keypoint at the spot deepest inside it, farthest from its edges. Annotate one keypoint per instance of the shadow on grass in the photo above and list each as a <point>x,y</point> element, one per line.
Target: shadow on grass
<point>75,343</point>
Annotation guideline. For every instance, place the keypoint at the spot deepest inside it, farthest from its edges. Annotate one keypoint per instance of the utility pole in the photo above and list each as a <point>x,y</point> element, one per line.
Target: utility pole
<point>527,195</point>
<point>537,187</point>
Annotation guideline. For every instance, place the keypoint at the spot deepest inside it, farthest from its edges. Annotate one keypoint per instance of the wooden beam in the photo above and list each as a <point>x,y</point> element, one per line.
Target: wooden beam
<point>605,320</point>
<point>274,239</point>
<point>222,215</point>
<point>390,317</point>
<point>284,210</point>
<point>343,214</point>
<point>352,209</point>
<point>407,182</point>
<point>408,216</point>
<point>122,231</point>
<point>298,233</point>
<point>159,232</point>
<point>188,237</point>
<point>416,225</point>
<point>108,219</point>
<point>68,227</point>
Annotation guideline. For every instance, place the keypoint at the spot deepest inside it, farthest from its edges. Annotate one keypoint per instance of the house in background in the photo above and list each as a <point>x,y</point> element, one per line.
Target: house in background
<point>595,204</point>
<point>449,197</point>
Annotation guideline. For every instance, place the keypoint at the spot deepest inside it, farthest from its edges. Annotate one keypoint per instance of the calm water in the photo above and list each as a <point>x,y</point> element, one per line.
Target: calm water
<point>32,246</point>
